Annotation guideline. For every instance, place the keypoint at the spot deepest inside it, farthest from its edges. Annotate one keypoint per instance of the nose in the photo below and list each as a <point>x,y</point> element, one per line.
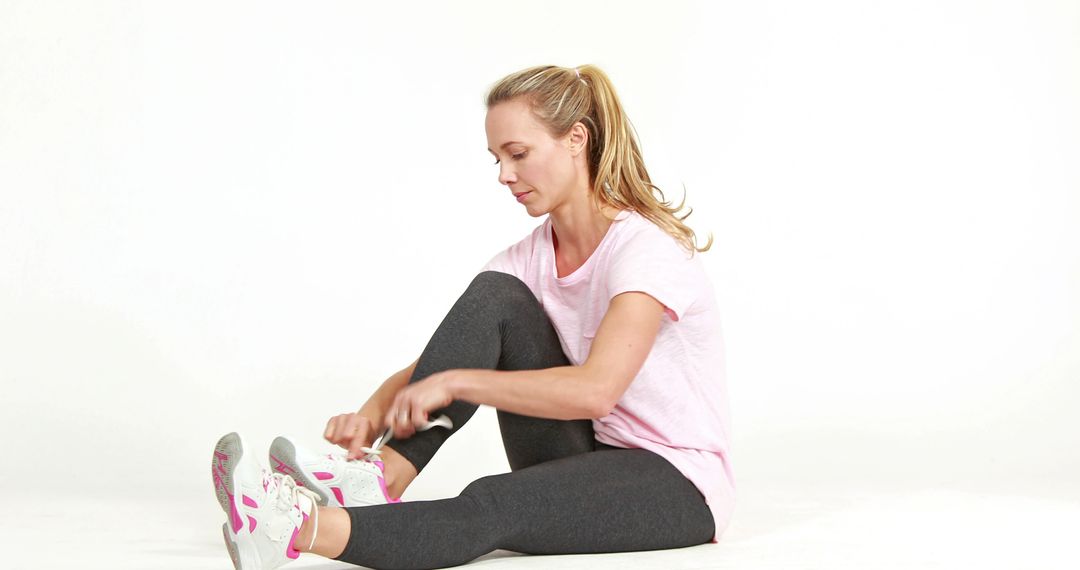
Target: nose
<point>506,174</point>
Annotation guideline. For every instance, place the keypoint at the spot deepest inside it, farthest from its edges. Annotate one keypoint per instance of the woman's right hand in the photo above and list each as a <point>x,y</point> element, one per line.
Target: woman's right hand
<point>351,431</point>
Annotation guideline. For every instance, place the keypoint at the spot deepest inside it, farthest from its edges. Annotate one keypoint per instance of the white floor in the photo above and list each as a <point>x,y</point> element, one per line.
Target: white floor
<point>775,526</point>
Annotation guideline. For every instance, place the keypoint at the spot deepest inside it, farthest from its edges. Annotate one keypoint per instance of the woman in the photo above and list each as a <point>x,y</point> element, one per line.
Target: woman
<point>596,338</point>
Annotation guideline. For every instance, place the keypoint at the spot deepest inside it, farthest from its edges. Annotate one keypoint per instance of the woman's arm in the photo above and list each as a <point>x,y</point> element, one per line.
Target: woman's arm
<point>355,430</point>
<point>623,341</point>
<point>562,393</point>
<point>375,408</point>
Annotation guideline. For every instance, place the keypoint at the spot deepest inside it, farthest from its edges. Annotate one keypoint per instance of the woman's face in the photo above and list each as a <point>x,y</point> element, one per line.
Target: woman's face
<point>530,161</point>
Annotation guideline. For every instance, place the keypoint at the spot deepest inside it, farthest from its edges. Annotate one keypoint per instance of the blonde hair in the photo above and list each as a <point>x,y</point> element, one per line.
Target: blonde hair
<point>559,97</point>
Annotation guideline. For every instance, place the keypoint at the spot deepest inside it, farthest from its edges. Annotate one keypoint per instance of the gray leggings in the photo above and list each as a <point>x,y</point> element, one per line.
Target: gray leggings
<point>566,493</point>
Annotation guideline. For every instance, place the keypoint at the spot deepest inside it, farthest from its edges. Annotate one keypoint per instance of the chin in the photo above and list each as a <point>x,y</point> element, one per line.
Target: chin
<point>536,211</point>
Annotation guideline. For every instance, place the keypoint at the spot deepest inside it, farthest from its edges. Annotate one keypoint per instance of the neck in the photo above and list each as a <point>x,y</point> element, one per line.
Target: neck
<point>578,228</point>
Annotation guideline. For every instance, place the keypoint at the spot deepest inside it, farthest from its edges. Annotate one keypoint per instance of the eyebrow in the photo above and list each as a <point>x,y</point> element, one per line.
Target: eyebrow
<point>506,144</point>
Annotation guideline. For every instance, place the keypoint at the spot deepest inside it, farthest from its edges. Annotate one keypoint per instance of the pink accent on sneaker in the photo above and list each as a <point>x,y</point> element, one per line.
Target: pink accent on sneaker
<point>386,493</point>
<point>281,467</point>
<point>237,522</point>
<point>250,502</point>
<point>337,493</point>
<point>217,479</point>
<point>291,551</point>
<point>382,483</point>
<point>323,475</point>
<point>218,458</point>
<point>234,516</point>
<point>251,520</point>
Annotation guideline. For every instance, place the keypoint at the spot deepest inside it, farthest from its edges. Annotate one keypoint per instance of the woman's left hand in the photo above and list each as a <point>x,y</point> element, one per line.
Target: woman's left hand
<point>412,403</point>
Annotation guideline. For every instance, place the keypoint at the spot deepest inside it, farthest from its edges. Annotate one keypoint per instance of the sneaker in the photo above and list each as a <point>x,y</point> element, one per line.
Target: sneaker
<point>338,481</point>
<point>264,509</point>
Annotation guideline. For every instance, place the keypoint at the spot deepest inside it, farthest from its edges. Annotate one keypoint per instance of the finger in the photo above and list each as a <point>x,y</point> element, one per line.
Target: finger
<point>345,431</point>
<point>392,420</point>
<point>342,431</point>
<point>386,420</point>
<point>419,416</point>
<point>401,423</point>
<point>393,414</point>
<point>389,420</point>
<point>369,427</point>
<point>334,428</point>
<point>352,427</point>
<point>359,440</point>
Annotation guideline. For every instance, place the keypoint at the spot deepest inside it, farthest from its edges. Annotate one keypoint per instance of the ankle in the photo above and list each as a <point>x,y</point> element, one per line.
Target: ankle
<point>307,531</point>
<point>398,472</point>
<point>335,529</point>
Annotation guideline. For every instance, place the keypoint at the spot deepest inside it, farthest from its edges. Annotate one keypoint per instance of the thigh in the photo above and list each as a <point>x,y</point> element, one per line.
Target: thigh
<point>609,500</point>
<point>497,323</point>
<point>529,440</point>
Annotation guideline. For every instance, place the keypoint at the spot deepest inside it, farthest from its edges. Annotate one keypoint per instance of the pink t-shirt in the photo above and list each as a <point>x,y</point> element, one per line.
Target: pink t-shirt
<point>677,405</point>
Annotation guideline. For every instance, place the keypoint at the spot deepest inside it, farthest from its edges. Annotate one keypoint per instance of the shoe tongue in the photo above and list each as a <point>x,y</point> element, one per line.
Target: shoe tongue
<point>305,503</point>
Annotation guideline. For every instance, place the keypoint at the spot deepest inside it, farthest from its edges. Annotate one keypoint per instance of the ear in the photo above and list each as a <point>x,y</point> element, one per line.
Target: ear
<point>578,138</point>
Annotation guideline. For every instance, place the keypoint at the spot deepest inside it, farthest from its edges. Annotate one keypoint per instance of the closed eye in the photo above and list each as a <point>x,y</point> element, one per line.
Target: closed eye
<point>518,156</point>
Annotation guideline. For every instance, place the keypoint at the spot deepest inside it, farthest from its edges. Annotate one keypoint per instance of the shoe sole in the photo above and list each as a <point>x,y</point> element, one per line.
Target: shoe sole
<point>234,553</point>
<point>227,456</point>
<point>283,452</point>
<point>227,453</point>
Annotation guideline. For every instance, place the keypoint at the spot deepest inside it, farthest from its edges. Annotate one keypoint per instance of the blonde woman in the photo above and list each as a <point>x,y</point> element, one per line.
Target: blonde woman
<point>596,338</point>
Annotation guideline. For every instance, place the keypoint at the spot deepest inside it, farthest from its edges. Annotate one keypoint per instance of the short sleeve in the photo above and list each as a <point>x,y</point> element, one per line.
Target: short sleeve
<point>515,259</point>
<point>653,262</point>
<point>500,262</point>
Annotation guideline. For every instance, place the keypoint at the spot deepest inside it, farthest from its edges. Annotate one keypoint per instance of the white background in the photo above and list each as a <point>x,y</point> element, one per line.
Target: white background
<point>223,216</point>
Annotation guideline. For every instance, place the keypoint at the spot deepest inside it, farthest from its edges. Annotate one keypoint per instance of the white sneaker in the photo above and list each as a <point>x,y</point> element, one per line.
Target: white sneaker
<point>339,482</point>
<point>265,509</point>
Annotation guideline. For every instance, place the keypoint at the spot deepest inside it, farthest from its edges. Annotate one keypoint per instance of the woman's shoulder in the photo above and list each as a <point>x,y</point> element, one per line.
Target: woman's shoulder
<point>641,233</point>
<point>518,256</point>
<point>529,240</point>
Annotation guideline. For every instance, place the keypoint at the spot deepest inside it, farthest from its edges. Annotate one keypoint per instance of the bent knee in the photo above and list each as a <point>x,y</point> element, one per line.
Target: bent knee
<point>486,491</point>
<point>498,286</point>
<point>482,486</point>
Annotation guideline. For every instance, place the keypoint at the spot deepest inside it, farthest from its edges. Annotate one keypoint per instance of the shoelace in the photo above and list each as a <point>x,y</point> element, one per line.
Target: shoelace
<point>287,492</point>
<point>373,452</point>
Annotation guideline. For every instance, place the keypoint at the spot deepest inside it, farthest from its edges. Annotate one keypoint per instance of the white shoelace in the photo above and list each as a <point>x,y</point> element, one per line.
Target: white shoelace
<point>288,495</point>
<point>376,447</point>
